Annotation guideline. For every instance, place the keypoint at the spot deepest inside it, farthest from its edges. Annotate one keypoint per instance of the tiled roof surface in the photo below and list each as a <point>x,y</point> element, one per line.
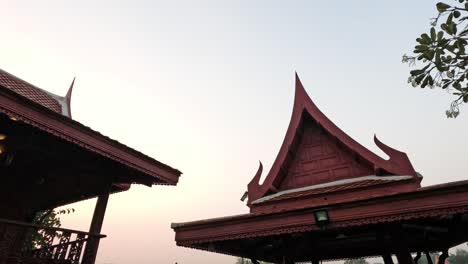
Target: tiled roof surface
<point>29,91</point>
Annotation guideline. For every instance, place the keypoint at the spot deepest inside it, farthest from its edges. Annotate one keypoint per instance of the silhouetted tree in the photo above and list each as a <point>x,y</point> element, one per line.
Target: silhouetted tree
<point>46,218</point>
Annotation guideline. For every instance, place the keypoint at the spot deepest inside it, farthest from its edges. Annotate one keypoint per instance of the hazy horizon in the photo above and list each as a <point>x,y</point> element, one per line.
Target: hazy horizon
<point>207,88</point>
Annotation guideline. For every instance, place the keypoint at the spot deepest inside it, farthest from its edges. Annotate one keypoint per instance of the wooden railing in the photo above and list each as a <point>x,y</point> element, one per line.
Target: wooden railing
<point>33,244</point>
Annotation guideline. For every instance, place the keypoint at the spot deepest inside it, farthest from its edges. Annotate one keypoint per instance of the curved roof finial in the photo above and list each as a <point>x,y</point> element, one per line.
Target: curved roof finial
<point>299,87</point>
<point>68,97</point>
<point>254,184</point>
<point>398,160</point>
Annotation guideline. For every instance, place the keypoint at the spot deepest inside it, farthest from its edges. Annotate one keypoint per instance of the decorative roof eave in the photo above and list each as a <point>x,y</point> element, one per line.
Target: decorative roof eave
<point>445,199</point>
<point>397,164</point>
<point>45,119</point>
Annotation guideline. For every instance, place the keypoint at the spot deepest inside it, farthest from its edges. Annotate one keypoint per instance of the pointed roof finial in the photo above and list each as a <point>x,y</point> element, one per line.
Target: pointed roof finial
<point>68,97</point>
<point>300,90</point>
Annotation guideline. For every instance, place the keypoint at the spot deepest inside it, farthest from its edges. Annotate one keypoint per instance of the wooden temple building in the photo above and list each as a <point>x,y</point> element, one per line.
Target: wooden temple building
<point>327,197</point>
<point>47,160</point>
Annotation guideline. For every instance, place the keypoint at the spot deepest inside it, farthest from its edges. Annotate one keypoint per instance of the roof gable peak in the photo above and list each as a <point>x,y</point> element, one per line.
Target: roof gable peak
<point>316,151</point>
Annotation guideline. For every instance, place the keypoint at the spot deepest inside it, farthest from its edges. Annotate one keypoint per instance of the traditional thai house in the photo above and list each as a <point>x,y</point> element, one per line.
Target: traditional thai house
<point>47,160</point>
<point>327,197</point>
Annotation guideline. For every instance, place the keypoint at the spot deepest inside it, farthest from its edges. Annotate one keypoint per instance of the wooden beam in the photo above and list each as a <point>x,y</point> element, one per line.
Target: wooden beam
<point>96,224</point>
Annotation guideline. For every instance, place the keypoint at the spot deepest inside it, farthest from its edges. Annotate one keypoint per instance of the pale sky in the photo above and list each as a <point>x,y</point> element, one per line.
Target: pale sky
<point>207,87</point>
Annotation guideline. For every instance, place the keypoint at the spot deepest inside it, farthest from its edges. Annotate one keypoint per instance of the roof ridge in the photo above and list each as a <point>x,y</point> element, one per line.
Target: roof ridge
<point>18,79</point>
<point>35,93</point>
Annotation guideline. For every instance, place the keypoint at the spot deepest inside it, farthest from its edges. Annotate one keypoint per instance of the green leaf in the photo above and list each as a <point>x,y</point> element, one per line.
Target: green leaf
<point>461,48</point>
<point>429,54</point>
<point>440,35</point>
<point>416,72</point>
<point>445,28</point>
<point>441,7</point>
<point>425,82</point>
<point>420,71</point>
<point>426,39</point>
<point>437,57</point>
<point>421,47</point>
<point>449,19</point>
<point>431,81</point>
<point>464,32</point>
<point>453,28</point>
<point>419,78</point>
<point>433,34</point>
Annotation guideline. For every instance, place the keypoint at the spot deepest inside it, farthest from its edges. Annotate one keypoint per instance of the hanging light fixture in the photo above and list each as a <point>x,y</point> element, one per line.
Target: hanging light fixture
<point>321,217</point>
<point>3,136</point>
<point>3,150</point>
<point>6,156</point>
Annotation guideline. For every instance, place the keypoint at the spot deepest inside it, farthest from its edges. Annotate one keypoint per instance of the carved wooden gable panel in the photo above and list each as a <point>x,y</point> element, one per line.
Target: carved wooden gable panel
<point>319,158</point>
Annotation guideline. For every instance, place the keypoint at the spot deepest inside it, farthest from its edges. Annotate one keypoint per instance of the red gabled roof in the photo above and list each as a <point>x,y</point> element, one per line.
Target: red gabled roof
<point>316,151</point>
<point>31,105</point>
<point>51,101</point>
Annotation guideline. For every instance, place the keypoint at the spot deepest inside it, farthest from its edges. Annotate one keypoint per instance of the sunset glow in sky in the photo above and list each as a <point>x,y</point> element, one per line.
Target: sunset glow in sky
<point>207,87</point>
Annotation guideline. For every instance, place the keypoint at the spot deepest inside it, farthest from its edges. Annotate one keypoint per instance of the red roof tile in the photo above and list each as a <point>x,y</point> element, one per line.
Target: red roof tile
<point>29,91</point>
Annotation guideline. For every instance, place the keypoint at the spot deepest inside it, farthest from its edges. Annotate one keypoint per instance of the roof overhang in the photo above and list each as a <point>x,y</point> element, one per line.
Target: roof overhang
<point>149,171</point>
<point>425,203</point>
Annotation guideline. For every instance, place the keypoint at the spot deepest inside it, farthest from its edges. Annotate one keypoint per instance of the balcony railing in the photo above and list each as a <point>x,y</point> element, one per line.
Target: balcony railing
<point>33,244</point>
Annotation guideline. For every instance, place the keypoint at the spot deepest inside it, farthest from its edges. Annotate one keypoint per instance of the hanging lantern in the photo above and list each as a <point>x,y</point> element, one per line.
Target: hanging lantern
<point>3,150</point>
<point>321,217</point>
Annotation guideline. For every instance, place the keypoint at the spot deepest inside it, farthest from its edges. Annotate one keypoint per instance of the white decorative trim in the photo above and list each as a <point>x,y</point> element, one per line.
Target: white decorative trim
<point>332,184</point>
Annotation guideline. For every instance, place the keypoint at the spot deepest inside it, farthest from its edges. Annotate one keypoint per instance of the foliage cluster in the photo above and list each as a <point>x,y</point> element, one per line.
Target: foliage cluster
<point>47,218</point>
<point>442,52</point>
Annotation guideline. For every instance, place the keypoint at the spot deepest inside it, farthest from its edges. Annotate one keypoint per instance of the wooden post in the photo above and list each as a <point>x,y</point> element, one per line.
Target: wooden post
<point>96,224</point>
<point>384,245</point>
<point>403,253</point>
<point>443,257</point>
<point>387,258</point>
<point>428,256</point>
<point>404,257</point>
<point>418,256</point>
